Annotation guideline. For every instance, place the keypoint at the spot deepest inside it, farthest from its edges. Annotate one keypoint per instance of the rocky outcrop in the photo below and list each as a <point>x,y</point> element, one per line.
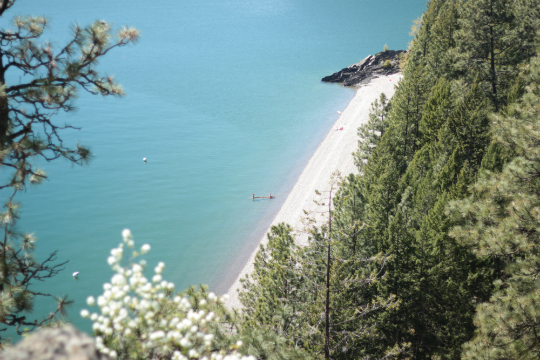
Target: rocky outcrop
<point>383,63</point>
<point>65,343</point>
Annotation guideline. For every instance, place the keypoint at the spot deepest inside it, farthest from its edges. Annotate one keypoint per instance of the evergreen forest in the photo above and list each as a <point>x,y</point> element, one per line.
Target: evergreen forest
<point>433,250</point>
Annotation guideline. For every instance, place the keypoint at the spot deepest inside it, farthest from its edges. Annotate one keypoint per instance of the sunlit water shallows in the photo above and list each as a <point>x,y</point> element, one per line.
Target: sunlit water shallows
<point>224,99</point>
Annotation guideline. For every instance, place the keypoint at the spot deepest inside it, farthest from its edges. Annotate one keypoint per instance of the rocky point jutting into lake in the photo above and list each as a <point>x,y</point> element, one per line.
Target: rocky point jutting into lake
<point>384,63</point>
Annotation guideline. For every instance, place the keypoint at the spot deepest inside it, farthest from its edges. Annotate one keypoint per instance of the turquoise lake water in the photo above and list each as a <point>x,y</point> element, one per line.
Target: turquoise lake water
<point>224,99</point>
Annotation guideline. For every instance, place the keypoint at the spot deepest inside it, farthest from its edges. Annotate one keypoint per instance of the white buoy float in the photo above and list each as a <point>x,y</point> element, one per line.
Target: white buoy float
<point>76,274</point>
<point>143,160</point>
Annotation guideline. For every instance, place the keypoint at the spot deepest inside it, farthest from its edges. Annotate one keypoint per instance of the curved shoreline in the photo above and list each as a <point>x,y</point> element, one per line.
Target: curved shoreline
<point>333,153</point>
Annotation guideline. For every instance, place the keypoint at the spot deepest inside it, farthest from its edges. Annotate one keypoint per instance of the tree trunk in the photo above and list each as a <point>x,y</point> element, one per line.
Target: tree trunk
<point>4,109</point>
<point>327,305</point>
<point>492,56</point>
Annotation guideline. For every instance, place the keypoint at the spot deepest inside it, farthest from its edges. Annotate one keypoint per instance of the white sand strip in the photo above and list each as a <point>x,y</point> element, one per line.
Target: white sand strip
<point>334,153</point>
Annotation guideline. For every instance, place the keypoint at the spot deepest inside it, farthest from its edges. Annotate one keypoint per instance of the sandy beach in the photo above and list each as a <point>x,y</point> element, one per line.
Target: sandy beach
<point>333,153</point>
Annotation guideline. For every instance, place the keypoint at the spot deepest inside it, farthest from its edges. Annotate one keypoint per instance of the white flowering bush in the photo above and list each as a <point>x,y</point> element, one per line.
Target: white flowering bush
<point>140,318</point>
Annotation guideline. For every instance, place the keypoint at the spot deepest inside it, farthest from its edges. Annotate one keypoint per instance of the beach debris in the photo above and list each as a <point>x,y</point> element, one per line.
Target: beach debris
<point>76,274</point>
<point>263,197</point>
<point>144,160</point>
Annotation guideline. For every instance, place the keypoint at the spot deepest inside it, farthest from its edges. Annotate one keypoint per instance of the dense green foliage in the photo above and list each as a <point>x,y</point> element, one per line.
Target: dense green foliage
<point>501,220</point>
<point>309,294</point>
<point>431,251</point>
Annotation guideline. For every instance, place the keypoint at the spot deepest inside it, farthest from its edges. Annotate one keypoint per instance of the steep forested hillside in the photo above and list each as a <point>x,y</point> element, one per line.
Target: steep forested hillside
<point>432,251</point>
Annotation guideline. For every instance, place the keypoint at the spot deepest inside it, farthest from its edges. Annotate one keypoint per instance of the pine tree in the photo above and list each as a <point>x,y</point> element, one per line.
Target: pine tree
<point>53,77</point>
<point>434,278</point>
<point>309,295</point>
<point>350,208</point>
<point>492,41</point>
<point>381,180</point>
<point>437,110</point>
<point>496,157</point>
<point>272,295</point>
<point>407,106</point>
<point>28,130</point>
<point>500,221</point>
<point>400,246</point>
<point>337,311</point>
<point>470,125</point>
<point>371,133</point>
<point>444,24</point>
<point>19,270</point>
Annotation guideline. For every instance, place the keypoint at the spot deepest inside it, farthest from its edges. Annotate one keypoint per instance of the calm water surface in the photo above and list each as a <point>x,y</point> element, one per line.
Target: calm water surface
<point>224,99</point>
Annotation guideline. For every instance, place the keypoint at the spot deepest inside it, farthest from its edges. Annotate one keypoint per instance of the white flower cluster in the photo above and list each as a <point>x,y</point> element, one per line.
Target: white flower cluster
<point>139,316</point>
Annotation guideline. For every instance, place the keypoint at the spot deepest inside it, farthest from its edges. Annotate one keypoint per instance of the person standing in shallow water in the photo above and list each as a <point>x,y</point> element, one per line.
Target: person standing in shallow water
<point>253,197</point>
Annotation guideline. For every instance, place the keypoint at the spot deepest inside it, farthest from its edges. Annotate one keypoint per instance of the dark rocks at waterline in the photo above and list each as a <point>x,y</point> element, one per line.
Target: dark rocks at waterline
<point>383,63</point>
